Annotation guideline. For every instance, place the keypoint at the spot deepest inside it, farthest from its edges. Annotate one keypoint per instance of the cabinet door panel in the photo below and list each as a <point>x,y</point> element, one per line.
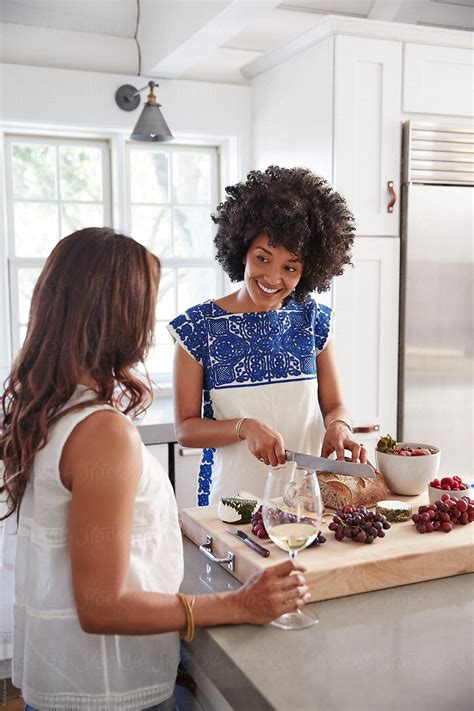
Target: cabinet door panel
<point>438,80</point>
<point>367,130</point>
<point>366,334</point>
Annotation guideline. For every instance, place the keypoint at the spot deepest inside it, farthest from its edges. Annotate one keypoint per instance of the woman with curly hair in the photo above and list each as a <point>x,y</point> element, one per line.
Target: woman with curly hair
<point>252,369</point>
<point>99,558</point>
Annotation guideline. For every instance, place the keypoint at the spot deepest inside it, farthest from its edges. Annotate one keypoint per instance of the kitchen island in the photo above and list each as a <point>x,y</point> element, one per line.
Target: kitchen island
<point>396,649</point>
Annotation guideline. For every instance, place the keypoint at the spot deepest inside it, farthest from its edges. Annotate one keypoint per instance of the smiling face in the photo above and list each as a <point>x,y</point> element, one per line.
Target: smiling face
<point>271,273</point>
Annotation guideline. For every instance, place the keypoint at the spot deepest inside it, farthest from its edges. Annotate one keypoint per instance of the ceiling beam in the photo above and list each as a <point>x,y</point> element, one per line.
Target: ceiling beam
<point>67,49</point>
<point>175,36</point>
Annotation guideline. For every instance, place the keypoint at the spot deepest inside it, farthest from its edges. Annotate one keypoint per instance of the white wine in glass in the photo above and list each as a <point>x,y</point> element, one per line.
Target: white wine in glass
<point>292,513</point>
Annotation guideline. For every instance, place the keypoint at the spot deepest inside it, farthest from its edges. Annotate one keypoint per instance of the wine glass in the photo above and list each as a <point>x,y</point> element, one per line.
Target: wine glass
<point>292,513</point>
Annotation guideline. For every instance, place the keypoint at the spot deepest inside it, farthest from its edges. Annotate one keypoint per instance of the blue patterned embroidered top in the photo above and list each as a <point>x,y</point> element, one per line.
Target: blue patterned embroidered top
<point>255,365</point>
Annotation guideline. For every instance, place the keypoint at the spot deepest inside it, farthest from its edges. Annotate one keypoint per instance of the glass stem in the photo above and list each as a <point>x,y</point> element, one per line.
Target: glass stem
<point>293,555</point>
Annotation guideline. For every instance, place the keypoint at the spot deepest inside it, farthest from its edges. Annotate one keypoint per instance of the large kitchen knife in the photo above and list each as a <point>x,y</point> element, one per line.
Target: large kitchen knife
<point>321,464</point>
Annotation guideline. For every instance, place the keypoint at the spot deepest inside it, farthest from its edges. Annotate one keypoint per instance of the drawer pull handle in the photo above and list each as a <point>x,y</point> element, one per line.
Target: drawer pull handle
<point>189,452</point>
<point>206,548</point>
<point>366,430</point>
<point>393,197</point>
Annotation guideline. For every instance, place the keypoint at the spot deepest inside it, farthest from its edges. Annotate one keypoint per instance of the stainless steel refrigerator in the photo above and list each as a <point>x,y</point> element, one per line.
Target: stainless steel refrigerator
<point>435,404</point>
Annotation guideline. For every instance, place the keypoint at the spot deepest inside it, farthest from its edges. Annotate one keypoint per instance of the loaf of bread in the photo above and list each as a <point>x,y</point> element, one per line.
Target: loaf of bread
<point>339,490</point>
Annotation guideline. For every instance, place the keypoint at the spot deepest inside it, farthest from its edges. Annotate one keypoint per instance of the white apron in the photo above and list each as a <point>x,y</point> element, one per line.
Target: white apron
<point>259,365</point>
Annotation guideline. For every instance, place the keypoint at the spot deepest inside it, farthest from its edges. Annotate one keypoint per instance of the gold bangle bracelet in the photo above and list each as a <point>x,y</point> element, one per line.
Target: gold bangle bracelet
<point>188,634</point>
<point>343,422</point>
<point>238,428</point>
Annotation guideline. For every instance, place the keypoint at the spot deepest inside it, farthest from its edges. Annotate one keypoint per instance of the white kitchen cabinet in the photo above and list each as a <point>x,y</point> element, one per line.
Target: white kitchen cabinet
<point>366,335</point>
<point>438,80</point>
<point>367,130</point>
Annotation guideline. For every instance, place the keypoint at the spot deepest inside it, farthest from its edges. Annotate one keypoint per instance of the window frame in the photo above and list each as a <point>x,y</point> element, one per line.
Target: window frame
<point>15,263</point>
<point>227,151</point>
<point>175,263</point>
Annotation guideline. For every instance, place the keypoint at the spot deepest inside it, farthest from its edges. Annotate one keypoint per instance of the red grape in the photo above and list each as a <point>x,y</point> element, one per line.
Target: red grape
<point>358,524</point>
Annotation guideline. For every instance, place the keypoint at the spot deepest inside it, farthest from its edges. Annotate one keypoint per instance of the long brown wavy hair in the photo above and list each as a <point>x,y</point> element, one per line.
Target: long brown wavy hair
<point>92,312</point>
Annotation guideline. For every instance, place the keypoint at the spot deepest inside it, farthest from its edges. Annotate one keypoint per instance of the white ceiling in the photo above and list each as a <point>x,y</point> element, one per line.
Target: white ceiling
<point>204,40</point>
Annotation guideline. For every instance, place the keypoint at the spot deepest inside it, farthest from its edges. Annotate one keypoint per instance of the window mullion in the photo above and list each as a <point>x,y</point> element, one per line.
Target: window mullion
<point>58,194</point>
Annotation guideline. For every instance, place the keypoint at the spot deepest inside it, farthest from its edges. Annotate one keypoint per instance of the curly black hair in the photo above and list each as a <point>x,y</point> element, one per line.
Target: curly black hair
<point>297,210</point>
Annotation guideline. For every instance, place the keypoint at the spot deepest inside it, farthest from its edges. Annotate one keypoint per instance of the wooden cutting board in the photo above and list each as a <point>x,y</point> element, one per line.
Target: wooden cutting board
<point>336,569</point>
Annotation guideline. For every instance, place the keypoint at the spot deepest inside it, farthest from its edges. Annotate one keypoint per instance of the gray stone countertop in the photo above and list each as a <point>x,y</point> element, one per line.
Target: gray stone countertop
<point>397,649</point>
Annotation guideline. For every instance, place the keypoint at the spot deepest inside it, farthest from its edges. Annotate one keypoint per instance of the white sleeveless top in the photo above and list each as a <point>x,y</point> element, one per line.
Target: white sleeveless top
<point>55,663</point>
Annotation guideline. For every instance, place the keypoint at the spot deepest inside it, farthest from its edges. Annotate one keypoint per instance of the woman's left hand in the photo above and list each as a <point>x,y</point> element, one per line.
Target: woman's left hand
<point>338,438</point>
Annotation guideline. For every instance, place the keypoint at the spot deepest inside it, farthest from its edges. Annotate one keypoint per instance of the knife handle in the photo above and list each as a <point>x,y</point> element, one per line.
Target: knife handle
<point>257,547</point>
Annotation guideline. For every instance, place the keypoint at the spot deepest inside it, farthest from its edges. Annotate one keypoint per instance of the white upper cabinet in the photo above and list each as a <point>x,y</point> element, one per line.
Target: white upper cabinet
<point>438,80</point>
<point>367,131</point>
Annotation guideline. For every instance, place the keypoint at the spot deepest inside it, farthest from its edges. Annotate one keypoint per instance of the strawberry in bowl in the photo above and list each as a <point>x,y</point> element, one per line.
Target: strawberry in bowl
<point>454,485</point>
<point>405,451</point>
<point>407,467</point>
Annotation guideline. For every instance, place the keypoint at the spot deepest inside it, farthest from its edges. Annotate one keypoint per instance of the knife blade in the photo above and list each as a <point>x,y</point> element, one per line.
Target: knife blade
<point>242,536</point>
<point>309,461</point>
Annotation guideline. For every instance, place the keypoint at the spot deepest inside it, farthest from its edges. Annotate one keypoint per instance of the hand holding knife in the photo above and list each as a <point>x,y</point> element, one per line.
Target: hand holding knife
<point>242,536</point>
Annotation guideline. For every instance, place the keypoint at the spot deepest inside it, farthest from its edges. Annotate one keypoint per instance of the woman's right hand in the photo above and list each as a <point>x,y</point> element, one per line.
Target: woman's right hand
<point>263,442</point>
<point>272,592</point>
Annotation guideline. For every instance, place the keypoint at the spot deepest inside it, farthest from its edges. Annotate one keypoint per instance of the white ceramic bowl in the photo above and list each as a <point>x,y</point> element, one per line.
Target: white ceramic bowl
<point>435,494</point>
<point>408,476</point>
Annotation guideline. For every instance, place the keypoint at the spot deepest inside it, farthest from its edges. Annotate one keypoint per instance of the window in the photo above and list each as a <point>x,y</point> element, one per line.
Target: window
<point>57,185</point>
<point>172,191</point>
<point>54,187</point>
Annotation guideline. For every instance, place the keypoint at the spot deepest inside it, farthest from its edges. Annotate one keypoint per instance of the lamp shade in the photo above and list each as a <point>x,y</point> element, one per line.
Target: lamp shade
<point>151,126</point>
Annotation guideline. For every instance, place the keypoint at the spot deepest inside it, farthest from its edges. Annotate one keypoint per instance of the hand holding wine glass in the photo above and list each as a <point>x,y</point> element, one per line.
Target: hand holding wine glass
<point>292,514</point>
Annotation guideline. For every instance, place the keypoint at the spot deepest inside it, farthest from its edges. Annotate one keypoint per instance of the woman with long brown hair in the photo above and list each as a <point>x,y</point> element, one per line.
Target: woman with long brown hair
<point>99,553</point>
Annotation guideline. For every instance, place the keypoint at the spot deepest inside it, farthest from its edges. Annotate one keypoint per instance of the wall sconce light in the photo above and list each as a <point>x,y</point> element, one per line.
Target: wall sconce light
<point>151,126</point>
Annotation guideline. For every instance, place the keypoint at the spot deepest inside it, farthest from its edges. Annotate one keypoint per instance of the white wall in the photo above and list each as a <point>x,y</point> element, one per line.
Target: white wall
<point>292,112</point>
<point>85,100</point>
